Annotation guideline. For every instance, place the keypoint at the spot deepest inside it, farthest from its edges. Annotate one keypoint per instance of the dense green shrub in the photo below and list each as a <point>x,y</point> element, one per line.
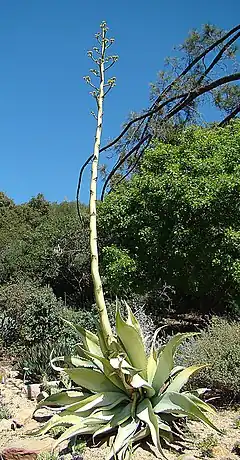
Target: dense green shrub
<point>84,318</point>
<point>32,326</point>
<point>219,347</point>
<point>29,314</point>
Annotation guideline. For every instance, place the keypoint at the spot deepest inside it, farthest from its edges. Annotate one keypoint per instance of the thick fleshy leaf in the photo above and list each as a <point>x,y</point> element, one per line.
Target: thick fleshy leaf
<point>117,401</point>
<point>133,344</point>
<point>57,359</point>
<point>91,379</point>
<point>86,404</point>
<point>122,365</point>
<point>78,362</point>
<point>178,403</point>
<point>132,320</point>
<point>165,431</point>
<point>166,360</point>
<point>108,370</point>
<point>79,351</point>
<point>152,359</point>
<point>151,365</point>
<point>163,426</point>
<point>141,434</point>
<point>176,370</point>
<point>121,414</point>
<point>200,403</point>
<point>102,342</point>
<point>104,400</point>
<point>182,378</point>
<point>63,398</point>
<point>200,391</point>
<point>75,430</point>
<point>124,435</point>
<point>138,382</point>
<point>90,340</point>
<point>145,413</point>
<point>124,453</point>
<point>58,420</point>
<point>84,355</point>
<point>103,415</point>
<point>103,430</point>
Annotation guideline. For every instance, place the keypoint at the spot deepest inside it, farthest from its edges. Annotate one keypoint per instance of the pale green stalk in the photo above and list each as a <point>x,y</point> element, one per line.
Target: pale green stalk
<point>97,283</point>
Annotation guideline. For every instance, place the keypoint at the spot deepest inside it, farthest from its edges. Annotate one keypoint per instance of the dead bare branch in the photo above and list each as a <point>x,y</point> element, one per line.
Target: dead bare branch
<point>230,116</point>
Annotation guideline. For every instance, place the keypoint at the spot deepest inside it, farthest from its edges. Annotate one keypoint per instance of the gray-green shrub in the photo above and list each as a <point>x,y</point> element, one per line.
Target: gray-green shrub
<point>219,347</point>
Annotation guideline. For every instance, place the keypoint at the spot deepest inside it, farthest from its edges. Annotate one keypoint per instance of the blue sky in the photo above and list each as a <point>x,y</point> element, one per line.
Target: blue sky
<point>46,130</point>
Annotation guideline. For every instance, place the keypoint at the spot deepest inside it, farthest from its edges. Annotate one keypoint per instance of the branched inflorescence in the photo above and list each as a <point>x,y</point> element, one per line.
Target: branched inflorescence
<point>103,63</point>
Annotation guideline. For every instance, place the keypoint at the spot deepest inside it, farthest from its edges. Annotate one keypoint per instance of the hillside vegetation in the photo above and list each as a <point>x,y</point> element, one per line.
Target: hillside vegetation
<point>169,240</point>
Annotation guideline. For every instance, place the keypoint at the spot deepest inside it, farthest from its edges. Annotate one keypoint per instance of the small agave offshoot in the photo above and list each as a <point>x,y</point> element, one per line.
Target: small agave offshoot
<point>124,393</point>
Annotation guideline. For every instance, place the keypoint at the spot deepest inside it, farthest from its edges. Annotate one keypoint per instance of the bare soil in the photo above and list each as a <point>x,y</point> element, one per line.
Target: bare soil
<point>14,396</point>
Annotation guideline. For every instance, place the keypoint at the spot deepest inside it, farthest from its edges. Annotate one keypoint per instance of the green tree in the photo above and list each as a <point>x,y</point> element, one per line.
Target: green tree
<point>5,201</point>
<point>178,219</point>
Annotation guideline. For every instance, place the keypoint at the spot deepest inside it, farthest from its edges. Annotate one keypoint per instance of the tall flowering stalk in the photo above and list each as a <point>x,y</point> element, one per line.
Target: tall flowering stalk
<point>102,63</point>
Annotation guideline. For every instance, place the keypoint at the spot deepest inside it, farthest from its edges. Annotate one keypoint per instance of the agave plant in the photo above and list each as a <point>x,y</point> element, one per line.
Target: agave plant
<point>118,390</point>
<point>122,392</point>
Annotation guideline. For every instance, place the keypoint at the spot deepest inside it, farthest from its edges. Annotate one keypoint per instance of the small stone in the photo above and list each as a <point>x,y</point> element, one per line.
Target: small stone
<point>15,424</point>
<point>32,390</point>
<point>14,453</point>
<point>42,395</point>
<point>236,448</point>
<point>24,416</point>
<point>32,444</point>
<point>14,374</point>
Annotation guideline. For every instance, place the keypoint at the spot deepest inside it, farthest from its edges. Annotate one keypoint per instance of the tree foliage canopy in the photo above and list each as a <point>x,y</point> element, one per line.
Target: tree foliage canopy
<point>177,220</point>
